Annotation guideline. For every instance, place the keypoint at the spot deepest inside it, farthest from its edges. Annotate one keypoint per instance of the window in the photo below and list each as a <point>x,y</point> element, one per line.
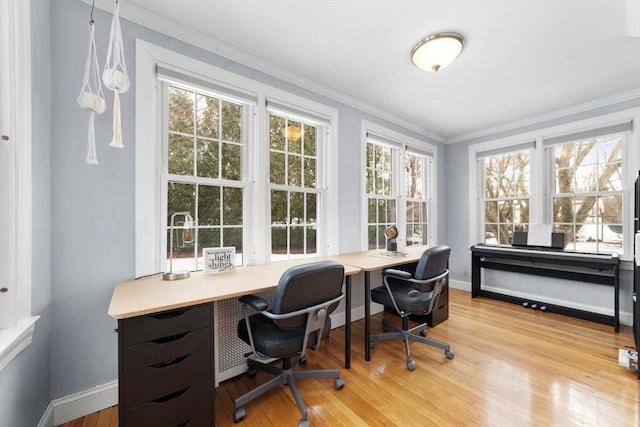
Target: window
<point>293,172</point>
<point>576,177</point>
<point>381,197</point>
<point>16,322</point>
<point>588,195</point>
<point>417,168</point>
<point>505,195</point>
<point>252,173</point>
<point>204,152</point>
<point>398,180</point>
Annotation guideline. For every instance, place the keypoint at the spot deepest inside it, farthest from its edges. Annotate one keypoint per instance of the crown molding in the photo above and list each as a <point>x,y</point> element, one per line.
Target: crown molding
<point>576,109</point>
<point>171,28</point>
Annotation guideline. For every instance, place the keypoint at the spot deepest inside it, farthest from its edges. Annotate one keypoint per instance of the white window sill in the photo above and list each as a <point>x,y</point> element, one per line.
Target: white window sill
<point>15,339</point>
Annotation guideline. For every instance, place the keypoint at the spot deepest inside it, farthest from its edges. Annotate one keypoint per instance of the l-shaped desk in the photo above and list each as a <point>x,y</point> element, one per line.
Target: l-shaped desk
<point>157,320</point>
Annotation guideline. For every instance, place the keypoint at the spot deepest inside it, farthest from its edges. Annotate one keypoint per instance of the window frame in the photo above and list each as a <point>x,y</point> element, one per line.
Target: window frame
<point>148,251</point>
<point>16,122</point>
<point>541,207</point>
<point>401,144</point>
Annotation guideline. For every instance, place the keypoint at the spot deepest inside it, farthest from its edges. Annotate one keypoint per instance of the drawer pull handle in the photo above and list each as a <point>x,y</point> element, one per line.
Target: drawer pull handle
<point>170,314</point>
<point>171,396</point>
<point>169,362</point>
<point>171,338</point>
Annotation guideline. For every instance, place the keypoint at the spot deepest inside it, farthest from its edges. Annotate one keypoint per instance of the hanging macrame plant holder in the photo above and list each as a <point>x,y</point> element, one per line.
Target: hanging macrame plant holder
<point>115,75</point>
<point>91,96</point>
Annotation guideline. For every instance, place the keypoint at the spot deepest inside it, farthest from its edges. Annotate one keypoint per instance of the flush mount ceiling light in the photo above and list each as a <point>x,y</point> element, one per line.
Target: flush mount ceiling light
<point>437,51</point>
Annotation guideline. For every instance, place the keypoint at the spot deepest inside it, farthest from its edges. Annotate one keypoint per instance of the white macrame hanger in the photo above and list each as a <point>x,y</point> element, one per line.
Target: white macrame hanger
<point>91,96</point>
<point>115,74</point>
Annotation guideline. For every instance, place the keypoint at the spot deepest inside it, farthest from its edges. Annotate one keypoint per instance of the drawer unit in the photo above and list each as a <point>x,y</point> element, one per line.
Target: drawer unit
<point>166,375</point>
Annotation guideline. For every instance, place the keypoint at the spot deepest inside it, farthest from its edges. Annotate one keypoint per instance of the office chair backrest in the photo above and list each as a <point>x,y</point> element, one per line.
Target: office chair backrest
<point>433,262</point>
<point>305,286</point>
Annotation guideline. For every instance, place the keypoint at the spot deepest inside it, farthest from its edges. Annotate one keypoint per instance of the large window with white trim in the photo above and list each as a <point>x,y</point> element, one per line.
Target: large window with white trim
<point>246,161</point>
<point>398,182</point>
<point>577,178</point>
<point>294,189</point>
<point>505,181</point>
<point>204,148</point>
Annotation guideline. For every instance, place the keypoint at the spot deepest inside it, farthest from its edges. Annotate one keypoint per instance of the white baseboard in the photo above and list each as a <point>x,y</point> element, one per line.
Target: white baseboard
<point>47,417</point>
<point>83,403</point>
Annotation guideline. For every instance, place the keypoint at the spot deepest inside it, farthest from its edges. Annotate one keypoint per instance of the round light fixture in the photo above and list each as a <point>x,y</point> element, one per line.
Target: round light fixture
<point>437,51</point>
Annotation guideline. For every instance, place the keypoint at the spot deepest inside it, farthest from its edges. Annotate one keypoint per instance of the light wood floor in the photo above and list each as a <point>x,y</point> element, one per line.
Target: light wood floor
<point>513,367</point>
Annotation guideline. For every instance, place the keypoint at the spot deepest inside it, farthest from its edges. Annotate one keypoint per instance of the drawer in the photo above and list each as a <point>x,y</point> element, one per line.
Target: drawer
<point>158,381</point>
<point>203,420</point>
<point>181,408</point>
<point>163,349</point>
<point>167,323</point>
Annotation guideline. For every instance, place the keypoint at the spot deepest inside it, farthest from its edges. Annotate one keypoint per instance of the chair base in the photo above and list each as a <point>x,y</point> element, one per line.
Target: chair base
<point>287,376</point>
<point>406,334</point>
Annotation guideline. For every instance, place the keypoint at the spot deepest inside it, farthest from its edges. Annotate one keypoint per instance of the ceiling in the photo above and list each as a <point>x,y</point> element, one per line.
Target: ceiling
<point>520,59</point>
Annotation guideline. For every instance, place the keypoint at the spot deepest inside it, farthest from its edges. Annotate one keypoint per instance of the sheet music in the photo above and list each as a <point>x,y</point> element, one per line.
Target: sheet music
<point>539,234</point>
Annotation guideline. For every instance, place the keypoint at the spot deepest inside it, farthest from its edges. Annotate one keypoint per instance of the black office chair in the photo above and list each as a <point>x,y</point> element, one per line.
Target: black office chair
<point>416,293</point>
<point>299,319</point>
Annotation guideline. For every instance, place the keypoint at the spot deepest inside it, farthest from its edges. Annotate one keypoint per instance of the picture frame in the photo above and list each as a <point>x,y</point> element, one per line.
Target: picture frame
<point>219,259</point>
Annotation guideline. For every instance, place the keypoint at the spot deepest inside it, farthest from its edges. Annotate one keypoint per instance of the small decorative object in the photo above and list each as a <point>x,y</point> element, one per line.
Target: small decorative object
<point>115,76</point>
<point>391,233</point>
<point>91,96</point>
<point>219,259</point>
<point>188,225</point>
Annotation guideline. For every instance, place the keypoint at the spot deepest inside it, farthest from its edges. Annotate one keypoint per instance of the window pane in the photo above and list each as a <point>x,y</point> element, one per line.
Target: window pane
<point>232,236</point>
<point>296,208</point>
<point>611,176</point>
<point>309,140</point>
<point>294,176</point>
<point>296,245</point>
<point>181,105</point>
<point>309,172</point>
<point>277,168</point>
<point>180,198</point>
<point>208,205</point>
<point>372,236</point>
<point>231,161</point>
<point>209,238</point>
<point>232,206</point>
<point>231,122</point>
<point>208,116</point>
<point>180,155</point>
<point>279,240</point>
<point>294,137</point>
<point>279,207</point>
<point>382,211</point>
<point>312,209</point>
<point>208,158</point>
<point>391,212</point>
<point>277,133</point>
<point>491,212</point>
<point>311,233</point>
<point>370,182</point>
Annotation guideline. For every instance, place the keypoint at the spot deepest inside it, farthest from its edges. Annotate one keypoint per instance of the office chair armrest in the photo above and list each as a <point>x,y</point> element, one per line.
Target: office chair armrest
<point>254,301</point>
<point>398,274</point>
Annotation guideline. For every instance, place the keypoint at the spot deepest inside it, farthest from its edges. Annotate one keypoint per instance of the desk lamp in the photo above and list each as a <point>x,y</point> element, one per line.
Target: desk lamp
<point>179,274</point>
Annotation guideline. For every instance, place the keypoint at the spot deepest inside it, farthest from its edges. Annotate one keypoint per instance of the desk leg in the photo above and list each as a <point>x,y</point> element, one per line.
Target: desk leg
<point>367,315</point>
<point>616,298</point>
<point>347,324</point>
<point>475,276</point>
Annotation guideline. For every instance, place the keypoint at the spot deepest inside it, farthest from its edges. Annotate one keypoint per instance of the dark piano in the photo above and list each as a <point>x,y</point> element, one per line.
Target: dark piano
<point>600,268</point>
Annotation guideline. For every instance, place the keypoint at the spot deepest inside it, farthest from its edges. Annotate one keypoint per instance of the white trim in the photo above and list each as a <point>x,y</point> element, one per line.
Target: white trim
<point>580,108</point>
<point>148,132</point>
<point>539,187</point>
<point>85,402</point>
<point>47,417</point>
<point>170,28</point>
<point>404,142</point>
<point>13,340</point>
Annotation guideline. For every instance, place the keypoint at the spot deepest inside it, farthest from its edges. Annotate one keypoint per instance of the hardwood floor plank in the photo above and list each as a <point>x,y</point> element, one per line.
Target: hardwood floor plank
<point>512,366</point>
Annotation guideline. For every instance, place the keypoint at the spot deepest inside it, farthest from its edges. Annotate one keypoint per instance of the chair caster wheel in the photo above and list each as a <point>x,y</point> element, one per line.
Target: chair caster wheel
<point>372,344</point>
<point>239,414</point>
<point>302,360</point>
<point>251,372</point>
<point>338,383</point>
<point>303,423</point>
<point>449,354</point>
<point>423,332</point>
<point>411,365</point>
